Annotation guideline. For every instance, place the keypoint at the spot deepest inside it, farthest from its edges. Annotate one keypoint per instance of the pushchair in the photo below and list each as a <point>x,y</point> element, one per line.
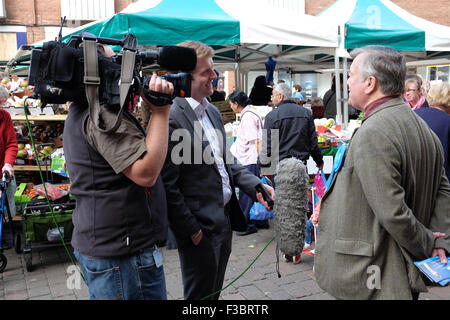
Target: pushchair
<point>5,212</point>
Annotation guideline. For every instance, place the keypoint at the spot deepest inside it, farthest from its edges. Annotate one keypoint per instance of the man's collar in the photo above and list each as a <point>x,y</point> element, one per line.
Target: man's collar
<point>198,107</point>
<point>286,101</point>
<point>371,107</point>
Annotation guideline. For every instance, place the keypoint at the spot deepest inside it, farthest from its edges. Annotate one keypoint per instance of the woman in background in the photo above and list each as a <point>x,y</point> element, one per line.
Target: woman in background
<point>438,117</point>
<point>261,93</point>
<point>413,93</point>
<point>8,148</point>
<point>246,149</point>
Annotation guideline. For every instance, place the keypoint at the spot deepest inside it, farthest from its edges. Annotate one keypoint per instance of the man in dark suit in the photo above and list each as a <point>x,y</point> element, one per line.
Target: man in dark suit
<point>199,176</point>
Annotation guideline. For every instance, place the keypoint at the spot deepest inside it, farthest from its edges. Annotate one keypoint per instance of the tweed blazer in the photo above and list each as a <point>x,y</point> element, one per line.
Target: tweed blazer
<point>381,209</point>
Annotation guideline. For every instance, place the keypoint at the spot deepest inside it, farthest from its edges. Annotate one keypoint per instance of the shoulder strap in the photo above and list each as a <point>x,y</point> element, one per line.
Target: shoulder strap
<point>259,118</point>
<point>92,82</point>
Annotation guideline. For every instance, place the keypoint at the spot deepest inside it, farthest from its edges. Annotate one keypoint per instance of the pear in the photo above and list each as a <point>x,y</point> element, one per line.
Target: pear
<point>22,154</point>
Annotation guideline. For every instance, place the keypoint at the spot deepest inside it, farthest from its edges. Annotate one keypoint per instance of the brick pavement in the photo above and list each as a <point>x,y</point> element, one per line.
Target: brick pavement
<point>48,280</point>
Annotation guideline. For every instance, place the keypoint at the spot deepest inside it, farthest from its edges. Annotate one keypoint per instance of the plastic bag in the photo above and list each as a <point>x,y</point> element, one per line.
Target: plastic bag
<point>259,212</point>
<point>319,185</point>
<point>54,193</point>
<point>53,234</point>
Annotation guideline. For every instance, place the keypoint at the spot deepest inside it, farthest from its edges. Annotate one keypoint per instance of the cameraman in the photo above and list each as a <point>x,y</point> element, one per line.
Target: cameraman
<point>115,233</point>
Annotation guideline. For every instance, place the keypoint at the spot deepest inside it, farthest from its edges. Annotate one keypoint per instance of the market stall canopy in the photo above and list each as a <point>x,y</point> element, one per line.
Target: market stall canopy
<point>20,63</point>
<point>381,22</point>
<point>239,31</point>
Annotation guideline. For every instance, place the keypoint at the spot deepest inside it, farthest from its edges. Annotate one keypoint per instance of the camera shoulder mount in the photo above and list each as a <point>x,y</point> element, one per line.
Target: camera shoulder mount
<point>92,82</point>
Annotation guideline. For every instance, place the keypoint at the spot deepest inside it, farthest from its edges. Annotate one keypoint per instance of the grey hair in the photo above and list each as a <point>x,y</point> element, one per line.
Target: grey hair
<point>4,93</point>
<point>385,64</point>
<point>284,89</point>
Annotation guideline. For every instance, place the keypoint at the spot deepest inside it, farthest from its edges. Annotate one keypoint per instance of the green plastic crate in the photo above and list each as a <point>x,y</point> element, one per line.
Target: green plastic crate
<point>19,197</point>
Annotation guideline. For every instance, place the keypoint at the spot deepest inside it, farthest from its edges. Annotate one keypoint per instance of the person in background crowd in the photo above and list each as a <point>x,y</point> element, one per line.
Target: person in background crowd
<point>438,117</point>
<point>217,95</point>
<point>200,185</point>
<point>413,93</point>
<point>8,148</point>
<point>297,92</point>
<point>260,94</point>
<point>317,108</point>
<point>389,203</point>
<point>246,149</point>
<point>329,101</point>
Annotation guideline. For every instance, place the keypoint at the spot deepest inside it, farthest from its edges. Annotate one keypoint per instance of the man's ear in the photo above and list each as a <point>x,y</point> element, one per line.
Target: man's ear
<point>370,85</point>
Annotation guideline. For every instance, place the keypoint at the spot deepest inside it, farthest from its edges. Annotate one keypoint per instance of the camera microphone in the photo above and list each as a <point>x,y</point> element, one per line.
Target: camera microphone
<point>171,58</point>
<point>174,58</point>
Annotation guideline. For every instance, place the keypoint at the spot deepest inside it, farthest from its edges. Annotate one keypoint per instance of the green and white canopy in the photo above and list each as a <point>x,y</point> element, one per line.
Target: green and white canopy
<point>381,22</point>
<point>168,22</point>
<point>239,31</point>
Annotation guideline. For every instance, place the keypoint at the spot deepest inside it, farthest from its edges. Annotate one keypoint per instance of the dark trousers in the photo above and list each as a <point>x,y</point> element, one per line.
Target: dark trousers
<point>246,203</point>
<point>203,266</point>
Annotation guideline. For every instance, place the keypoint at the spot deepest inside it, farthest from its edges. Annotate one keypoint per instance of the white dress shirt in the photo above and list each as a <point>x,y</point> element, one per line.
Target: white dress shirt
<point>210,133</point>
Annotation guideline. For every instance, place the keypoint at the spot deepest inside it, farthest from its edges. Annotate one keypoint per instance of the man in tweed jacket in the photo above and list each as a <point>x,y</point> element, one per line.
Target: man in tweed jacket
<point>389,205</point>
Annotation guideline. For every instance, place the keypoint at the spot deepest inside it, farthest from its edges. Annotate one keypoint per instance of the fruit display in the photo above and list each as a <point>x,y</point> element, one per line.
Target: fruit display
<point>329,133</point>
<point>42,132</point>
<point>19,90</point>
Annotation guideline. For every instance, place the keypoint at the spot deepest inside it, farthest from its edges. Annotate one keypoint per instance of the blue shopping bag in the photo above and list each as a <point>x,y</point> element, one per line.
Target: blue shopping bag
<point>259,212</point>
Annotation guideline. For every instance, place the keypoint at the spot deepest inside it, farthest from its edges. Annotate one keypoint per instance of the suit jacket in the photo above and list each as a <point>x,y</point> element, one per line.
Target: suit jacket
<point>382,207</point>
<point>194,186</point>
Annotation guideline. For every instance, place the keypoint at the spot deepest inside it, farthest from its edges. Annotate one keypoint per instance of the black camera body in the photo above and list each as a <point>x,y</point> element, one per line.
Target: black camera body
<point>57,70</point>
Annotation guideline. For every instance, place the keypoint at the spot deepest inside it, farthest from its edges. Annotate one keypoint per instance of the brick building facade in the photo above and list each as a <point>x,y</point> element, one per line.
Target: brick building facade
<point>437,11</point>
<point>32,20</point>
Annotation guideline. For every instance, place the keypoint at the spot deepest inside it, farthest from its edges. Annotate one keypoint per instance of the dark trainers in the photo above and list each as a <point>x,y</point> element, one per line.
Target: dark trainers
<point>245,233</point>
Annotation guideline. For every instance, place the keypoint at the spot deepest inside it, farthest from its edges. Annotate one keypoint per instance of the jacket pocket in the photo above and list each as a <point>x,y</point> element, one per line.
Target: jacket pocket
<point>353,247</point>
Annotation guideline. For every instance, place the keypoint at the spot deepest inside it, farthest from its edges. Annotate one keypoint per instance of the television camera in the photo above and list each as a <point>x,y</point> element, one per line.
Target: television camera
<point>77,71</point>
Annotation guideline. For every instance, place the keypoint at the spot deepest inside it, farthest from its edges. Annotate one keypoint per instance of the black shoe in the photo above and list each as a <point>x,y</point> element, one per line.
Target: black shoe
<point>262,225</point>
<point>249,231</point>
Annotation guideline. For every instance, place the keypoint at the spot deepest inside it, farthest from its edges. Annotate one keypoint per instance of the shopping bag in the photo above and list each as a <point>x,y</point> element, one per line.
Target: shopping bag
<point>319,185</point>
<point>259,212</point>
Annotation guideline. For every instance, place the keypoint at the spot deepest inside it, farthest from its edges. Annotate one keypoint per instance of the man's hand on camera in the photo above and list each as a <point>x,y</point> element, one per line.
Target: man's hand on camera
<point>159,94</point>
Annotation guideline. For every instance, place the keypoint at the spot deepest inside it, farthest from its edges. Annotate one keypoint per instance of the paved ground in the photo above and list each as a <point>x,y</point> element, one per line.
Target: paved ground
<point>48,280</point>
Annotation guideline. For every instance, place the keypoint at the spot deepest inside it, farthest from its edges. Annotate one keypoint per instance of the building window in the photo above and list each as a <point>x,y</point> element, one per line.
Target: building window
<point>439,73</point>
